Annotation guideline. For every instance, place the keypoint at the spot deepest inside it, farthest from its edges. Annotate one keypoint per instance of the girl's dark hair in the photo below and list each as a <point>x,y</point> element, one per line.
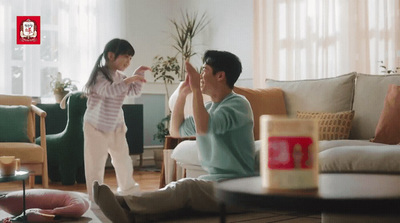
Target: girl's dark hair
<point>116,46</point>
<point>224,61</point>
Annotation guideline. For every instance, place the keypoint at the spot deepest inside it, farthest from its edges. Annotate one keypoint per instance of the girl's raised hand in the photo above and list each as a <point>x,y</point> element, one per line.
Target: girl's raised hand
<point>138,75</point>
<point>140,70</point>
<point>135,78</point>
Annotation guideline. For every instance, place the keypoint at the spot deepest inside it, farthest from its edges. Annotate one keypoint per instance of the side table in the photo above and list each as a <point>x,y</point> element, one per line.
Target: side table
<point>19,175</point>
<point>169,144</point>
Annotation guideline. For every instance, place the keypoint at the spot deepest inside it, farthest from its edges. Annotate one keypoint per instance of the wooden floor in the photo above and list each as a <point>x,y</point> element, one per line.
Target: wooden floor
<point>148,181</point>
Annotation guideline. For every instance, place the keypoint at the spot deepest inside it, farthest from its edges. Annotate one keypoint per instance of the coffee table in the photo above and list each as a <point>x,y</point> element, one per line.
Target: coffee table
<point>338,193</point>
<point>19,175</point>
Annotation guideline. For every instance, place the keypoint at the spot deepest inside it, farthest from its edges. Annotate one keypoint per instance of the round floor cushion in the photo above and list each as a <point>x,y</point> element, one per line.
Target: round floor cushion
<point>45,204</point>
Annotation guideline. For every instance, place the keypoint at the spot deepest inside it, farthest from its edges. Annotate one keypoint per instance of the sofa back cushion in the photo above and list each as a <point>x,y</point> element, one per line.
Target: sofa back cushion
<point>317,95</point>
<point>369,97</point>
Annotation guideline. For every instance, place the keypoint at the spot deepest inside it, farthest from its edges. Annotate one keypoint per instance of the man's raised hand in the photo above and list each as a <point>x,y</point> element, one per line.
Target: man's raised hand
<point>194,76</point>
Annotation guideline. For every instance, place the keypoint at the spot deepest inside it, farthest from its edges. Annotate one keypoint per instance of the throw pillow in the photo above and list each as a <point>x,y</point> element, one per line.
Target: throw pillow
<point>388,128</point>
<point>263,102</point>
<point>14,123</point>
<point>332,126</point>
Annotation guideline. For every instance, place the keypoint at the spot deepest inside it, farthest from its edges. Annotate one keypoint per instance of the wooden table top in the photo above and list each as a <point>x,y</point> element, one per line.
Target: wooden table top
<point>337,193</point>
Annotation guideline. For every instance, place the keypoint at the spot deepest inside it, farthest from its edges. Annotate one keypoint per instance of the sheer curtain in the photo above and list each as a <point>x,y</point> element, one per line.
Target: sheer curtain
<point>305,39</point>
<point>73,34</point>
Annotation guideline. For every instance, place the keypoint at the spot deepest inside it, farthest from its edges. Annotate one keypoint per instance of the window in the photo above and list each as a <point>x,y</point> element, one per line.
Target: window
<point>71,41</point>
<point>317,39</point>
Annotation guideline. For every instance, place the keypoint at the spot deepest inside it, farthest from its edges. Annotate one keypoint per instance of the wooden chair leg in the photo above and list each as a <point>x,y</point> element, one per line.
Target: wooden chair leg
<point>31,181</point>
<point>162,176</point>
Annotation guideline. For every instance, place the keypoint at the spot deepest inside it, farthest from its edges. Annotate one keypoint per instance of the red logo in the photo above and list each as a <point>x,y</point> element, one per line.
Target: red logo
<point>28,30</point>
<point>290,153</point>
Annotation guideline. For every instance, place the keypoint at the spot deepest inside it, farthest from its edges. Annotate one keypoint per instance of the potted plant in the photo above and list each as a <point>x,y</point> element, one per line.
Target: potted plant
<point>165,68</point>
<point>60,86</point>
<point>386,70</point>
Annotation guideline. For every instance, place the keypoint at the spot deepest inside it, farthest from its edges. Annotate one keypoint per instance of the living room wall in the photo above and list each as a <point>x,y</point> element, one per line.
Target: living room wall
<point>149,29</point>
<point>230,28</point>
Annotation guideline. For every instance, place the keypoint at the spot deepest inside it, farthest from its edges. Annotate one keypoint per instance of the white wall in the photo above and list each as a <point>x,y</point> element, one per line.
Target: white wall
<point>230,29</point>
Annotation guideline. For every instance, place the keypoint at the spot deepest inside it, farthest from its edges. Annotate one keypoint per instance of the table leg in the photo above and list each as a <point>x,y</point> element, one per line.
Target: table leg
<point>23,201</point>
<point>222,212</point>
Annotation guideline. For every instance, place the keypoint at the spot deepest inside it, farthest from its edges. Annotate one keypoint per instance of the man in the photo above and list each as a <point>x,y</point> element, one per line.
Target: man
<point>224,133</point>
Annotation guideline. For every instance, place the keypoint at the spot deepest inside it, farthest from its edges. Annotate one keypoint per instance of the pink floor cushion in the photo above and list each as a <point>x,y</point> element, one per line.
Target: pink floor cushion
<point>45,204</point>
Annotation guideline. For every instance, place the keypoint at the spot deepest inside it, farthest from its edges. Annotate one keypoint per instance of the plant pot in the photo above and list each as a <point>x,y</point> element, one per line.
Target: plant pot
<point>59,95</point>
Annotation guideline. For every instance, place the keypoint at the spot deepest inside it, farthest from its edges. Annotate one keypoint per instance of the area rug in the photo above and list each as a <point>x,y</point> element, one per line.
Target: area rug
<point>95,215</point>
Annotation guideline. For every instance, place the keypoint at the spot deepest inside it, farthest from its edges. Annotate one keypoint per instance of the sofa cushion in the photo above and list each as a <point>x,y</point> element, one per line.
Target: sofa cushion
<point>14,123</point>
<point>186,152</point>
<point>388,128</point>
<point>369,97</point>
<point>317,95</point>
<point>328,144</point>
<point>331,126</point>
<point>364,159</point>
<point>263,102</point>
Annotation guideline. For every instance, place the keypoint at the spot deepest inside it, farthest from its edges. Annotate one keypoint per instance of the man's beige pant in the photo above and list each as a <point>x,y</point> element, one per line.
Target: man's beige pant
<point>190,193</point>
<point>97,147</point>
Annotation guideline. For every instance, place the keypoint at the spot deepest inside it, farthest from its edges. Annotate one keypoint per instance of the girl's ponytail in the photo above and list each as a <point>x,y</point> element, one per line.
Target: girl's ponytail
<point>93,74</point>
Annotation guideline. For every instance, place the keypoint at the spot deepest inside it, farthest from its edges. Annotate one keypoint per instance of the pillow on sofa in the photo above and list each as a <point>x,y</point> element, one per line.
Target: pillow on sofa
<point>388,129</point>
<point>14,123</point>
<point>332,126</point>
<point>325,95</point>
<point>263,102</point>
<point>369,97</point>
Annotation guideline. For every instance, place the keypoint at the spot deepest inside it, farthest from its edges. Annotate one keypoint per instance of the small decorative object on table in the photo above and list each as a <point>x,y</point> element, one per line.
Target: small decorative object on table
<point>289,153</point>
<point>8,165</point>
<point>60,86</point>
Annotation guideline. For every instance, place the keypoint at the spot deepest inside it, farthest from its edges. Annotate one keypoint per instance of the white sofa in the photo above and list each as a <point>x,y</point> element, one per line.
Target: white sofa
<point>363,93</point>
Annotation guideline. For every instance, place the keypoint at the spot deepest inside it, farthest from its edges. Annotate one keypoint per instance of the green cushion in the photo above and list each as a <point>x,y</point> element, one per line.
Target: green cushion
<point>14,123</point>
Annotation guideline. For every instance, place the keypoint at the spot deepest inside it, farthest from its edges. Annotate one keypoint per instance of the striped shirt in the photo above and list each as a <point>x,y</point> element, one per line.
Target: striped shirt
<point>105,99</point>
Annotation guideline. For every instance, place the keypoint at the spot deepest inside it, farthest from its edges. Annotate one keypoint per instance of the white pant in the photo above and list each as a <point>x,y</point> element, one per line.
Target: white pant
<point>97,147</point>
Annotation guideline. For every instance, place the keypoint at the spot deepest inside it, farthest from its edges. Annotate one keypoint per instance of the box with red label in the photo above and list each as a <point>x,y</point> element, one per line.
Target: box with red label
<point>288,156</point>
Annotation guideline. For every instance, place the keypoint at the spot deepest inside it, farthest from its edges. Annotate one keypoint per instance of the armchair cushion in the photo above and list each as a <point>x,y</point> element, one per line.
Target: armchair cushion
<point>26,152</point>
<point>13,123</point>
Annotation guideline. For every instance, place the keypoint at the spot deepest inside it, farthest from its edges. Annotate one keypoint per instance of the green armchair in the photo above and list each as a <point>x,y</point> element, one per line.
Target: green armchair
<point>65,149</point>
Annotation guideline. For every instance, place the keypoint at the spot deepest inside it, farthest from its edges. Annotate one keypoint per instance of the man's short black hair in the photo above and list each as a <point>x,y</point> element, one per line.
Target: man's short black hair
<point>224,61</point>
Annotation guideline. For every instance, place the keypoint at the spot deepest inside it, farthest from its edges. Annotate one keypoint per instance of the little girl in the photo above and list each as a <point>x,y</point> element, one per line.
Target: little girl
<point>104,125</point>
